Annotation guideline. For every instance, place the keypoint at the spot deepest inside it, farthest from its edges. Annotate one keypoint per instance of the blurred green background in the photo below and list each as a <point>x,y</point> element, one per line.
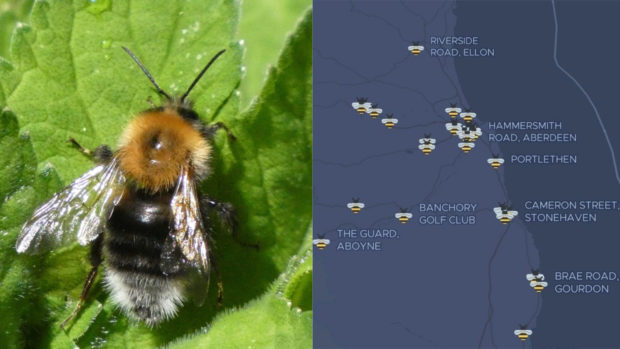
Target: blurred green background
<point>264,26</point>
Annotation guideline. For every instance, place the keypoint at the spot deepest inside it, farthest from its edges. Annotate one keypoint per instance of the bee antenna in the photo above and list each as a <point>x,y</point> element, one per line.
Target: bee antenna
<point>146,72</point>
<point>201,74</point>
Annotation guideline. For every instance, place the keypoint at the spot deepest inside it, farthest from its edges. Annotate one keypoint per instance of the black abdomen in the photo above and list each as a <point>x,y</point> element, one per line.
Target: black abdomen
<point>137,230</point>
<point>135,236</point>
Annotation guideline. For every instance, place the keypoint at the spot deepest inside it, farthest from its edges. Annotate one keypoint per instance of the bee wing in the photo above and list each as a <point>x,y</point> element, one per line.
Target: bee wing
<point>188,233</point>
<point>76,212</point>
<point>187,244</point>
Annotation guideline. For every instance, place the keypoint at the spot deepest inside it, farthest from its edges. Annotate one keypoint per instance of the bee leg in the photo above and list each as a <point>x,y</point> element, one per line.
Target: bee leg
<point>210,130</point>
<point>95,260</point>
<point>220,284</point>
<point>101,154</point>
<point>226,214</point>
<point>79,147</point>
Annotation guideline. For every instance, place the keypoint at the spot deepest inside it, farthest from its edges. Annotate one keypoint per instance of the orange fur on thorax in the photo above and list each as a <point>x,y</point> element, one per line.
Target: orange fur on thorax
<point>155,146</point>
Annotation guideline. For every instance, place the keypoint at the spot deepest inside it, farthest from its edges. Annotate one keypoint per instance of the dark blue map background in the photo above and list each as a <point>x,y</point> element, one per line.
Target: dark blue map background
<point>449,285</point>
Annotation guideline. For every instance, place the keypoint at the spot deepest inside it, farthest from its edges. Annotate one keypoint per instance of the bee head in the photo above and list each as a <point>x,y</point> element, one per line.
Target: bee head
<point>157,143</point>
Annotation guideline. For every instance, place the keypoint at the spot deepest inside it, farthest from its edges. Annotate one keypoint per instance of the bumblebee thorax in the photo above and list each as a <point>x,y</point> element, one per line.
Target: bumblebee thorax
<point>155,146</point>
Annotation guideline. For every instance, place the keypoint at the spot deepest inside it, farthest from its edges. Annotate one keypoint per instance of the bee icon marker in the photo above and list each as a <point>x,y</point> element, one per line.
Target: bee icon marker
<point>415,48</point>
<point>403,216</point>
<point>361,105</point>
<point>427,144</point>
<point>537,281</point>
<point>495,161</point>
<point>374,111</point>
<point>355,205</point>
<point>453,127</point>
<point>505,213</point>
<point>467,115</point>
<point>453,111</point>
<point>321,242</point>
<point>389,121</point>
<point>523,333</point>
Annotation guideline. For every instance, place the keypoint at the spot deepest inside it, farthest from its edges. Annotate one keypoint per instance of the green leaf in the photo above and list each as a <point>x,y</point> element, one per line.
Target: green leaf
<point>272,321</point>
<point>21,190</point>
<point>11,13</point>
<point>262,46</point>
<point>67,77</point>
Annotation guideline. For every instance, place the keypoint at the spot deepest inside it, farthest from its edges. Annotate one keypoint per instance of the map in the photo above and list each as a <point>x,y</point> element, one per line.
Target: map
<point>466,175</point>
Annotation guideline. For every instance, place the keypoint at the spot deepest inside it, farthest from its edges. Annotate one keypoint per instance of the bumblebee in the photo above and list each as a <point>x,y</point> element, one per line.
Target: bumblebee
<point>374,110</point>
<point>321,242</point>
<point>355,206</point>
<point>361,105</point>
<point>403,216</point>
<point>537,281</point>
<point>427,144</point>
<point>495,161</point>
<point>141,212</point>
<point>523,333</point>
<point>415,48</point>
<point>505,213</point>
